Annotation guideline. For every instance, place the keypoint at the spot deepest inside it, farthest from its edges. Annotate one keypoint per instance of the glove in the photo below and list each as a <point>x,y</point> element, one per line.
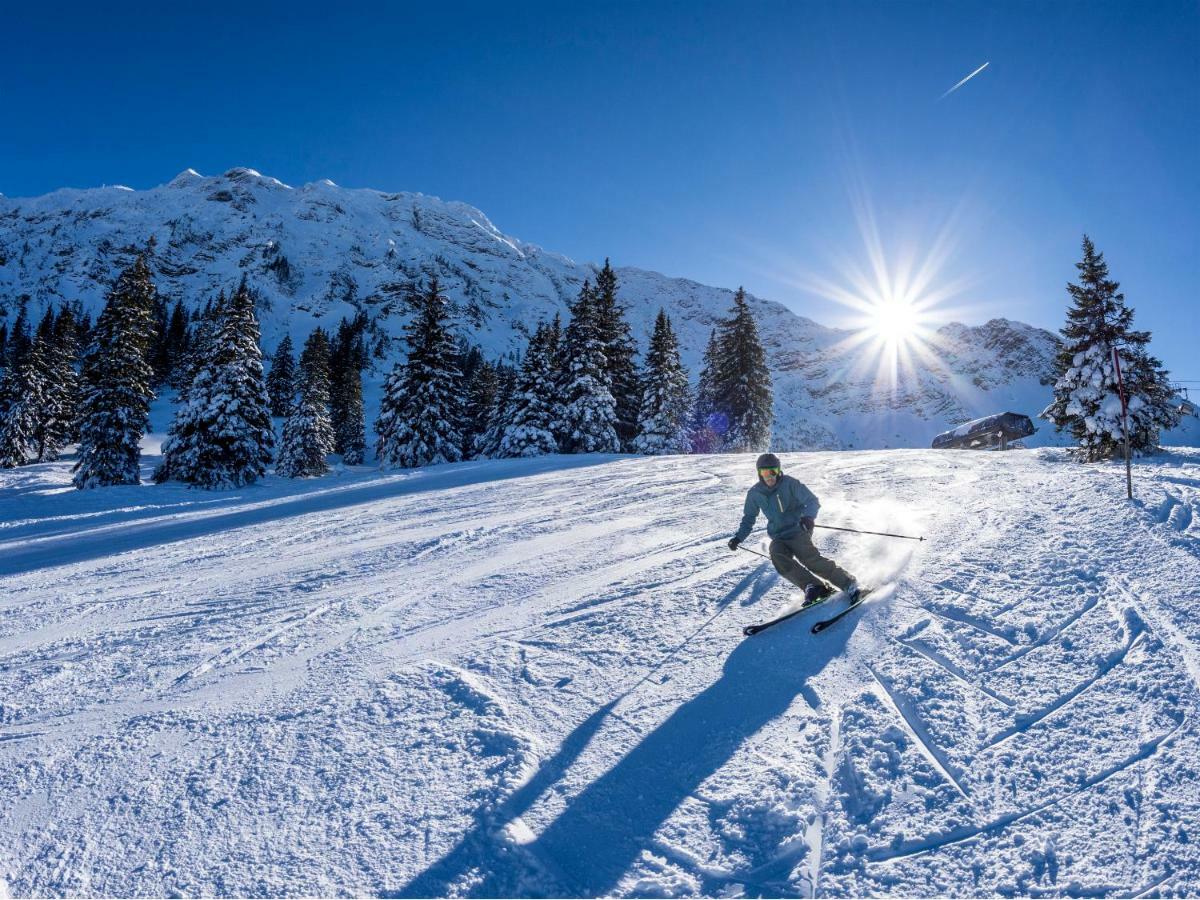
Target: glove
<point>809,523</point>
<point>733,543</point>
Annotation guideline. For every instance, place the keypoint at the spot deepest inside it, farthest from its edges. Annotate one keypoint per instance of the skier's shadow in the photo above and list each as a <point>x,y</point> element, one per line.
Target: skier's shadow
<point>604,829</point>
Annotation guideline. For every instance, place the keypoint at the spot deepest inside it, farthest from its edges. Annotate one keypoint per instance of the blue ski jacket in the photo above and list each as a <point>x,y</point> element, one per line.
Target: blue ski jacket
<point>784,506</point>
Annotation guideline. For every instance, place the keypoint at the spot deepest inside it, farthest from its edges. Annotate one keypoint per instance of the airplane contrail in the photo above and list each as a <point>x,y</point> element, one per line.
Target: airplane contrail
<point>965,80</point>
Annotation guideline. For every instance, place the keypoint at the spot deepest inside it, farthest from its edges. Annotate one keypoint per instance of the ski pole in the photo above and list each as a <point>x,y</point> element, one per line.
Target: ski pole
<point>755,552</point>
<point>907,537</point>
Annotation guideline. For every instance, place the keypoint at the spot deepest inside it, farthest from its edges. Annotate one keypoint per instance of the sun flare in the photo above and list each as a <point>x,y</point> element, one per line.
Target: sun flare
<point>895,322</point>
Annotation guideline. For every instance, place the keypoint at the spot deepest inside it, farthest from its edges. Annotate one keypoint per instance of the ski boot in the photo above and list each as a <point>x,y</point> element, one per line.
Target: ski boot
<point>815,593</point>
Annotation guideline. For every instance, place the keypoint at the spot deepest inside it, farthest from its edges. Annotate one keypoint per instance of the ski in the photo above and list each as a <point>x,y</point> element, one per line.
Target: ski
<point>825,623</point>
<point>755,629</point>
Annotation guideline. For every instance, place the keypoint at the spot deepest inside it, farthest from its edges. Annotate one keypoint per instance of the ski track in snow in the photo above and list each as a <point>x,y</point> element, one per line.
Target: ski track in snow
<point>528,678</point>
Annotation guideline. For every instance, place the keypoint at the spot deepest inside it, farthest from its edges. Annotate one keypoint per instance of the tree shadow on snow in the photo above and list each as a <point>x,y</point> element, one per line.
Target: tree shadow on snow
<point>605,828</point>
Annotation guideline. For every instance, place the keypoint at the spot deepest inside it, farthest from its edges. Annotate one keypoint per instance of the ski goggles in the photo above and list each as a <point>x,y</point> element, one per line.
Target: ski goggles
<point>772,471</point>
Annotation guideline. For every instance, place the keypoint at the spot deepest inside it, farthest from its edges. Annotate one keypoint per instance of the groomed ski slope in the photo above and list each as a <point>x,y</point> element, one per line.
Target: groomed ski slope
<point>528,678</point>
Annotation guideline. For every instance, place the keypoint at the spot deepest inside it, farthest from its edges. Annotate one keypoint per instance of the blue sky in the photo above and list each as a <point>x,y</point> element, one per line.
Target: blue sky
<point>732,143</point>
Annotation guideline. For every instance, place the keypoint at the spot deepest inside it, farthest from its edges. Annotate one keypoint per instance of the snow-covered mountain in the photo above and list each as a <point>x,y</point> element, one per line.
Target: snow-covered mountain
<point>320,252</point>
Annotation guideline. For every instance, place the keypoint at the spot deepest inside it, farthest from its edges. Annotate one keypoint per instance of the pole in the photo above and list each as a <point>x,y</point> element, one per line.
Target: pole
<point>1124,425</point>
<point>755,552</point>
<point>907,537</point>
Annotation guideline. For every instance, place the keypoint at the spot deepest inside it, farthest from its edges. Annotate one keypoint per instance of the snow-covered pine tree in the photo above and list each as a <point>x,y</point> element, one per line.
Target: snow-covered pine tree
<point>708,426</point>
<point>487,443</point>
<point>742,387</point>
<point>663,422</point>
<point>23,400</point>
<point>469,358</point>
<point>420,417</point>
<point>315,375</point>
<point>590,416</point>
<point>19,397</point>
<point>176,346</point>
<point>562,378</point>
<point>200,342</point>
<point>303,450</point>
<point>39,397</point>
<point>281,380</point>
<point>308,434</point>
<point>116,377</point>
<point>1087,401</point>
<point>83,326</point>
<point>620,352</point>
<point>222,436</point>
<point>160,351</point>
<point>53,387</point>
<point>528,432</point>
<point>66,348</point>
<point>481,399</point>
<point>20,342</point>
<point>351,435</point>
<point>348,357</point>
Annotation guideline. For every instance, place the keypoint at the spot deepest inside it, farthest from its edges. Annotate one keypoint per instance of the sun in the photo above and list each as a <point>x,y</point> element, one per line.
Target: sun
<point>894,295</point>
<point>894,322</point>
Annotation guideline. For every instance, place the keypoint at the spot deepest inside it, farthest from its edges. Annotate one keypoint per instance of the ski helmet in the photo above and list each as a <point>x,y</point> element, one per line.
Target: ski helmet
<point>767,461</point>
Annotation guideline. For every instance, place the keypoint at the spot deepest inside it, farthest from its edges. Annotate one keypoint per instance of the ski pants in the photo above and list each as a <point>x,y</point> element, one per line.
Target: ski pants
<point>798,560</point>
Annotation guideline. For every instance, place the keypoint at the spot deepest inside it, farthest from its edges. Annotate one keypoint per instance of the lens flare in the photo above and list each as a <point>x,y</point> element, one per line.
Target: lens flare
<point>894,293</point>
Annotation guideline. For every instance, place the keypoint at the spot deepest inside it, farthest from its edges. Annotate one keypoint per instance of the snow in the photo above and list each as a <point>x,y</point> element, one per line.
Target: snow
<point>527,677</point>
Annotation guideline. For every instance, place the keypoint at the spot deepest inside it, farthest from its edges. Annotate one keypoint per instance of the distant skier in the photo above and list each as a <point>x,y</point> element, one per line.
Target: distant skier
<point>791,511</point>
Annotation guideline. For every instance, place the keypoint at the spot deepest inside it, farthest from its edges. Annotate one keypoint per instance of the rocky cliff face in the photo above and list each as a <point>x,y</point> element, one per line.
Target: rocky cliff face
<point>320,252</point>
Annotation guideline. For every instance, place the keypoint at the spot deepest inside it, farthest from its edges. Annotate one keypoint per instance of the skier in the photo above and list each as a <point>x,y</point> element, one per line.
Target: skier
<point>791,511</point>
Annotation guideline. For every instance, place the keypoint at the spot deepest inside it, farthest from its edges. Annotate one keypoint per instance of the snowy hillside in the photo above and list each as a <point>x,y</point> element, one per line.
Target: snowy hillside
<point>320,252</point>
<point>528,677</point>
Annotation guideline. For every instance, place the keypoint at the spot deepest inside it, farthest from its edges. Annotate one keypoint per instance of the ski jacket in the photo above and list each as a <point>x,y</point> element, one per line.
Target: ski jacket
<point>784,506</point>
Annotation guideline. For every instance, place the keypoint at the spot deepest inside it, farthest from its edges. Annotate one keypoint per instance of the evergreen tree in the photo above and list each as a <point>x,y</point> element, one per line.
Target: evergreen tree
<point>742,387</point>
<point>666,396</point>
<point>315,371</point>
<point>221,436</point>
<point>19,341</point>
<point>1087,400</point>
<point>487,444</point>
<point>3,345</point>
<point>708,426</point>
<point>348,357</point>
<point>315,376</point>
<point>18,400</point>
<point>200,342</point>
<point>482,388</point>
<point>528,431</point>
<point>281,382</point>
<point>160,351</point>
<point>66,349</point>
<point>52,387</point>
<point>351,435</point>
<point>83,329</point>
<point>305,435</point>
<point>420,418</point>
<point>620,353</point>
<point>176,349</point>
<point>308,433</point>
<point>24,400</point>
<point>589,420</point>
<point>561,377</point>
<point>116,376</point>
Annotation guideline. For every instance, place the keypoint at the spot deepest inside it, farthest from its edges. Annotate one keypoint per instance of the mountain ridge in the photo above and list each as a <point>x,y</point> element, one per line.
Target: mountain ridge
<point>318,252</point>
